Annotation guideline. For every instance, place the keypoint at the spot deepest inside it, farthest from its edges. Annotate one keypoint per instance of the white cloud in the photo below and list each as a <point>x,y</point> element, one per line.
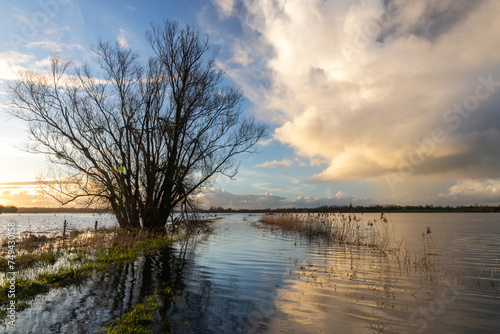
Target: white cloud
<point>54,46</point>
<point>241,55</point>
<point>265,142</point>
<point>360,85</point>
<point>130,7</point>
<point>274,163</point>
<point>471,191</point>
<point>11,63</point>
<point>301,163</point>
<point>122,39</point>
<point>225,7</point>
<point>217,197</point>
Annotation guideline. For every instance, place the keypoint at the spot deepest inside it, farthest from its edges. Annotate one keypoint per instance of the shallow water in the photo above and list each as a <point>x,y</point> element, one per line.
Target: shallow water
<point>53,223</point>
<point>245,278</point>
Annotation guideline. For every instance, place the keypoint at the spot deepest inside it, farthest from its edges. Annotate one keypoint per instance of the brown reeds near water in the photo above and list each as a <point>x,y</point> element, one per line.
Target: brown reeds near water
<point>348,229</point>
<point>352,229</point>
<point>377,235</point>
<point>391,258</point>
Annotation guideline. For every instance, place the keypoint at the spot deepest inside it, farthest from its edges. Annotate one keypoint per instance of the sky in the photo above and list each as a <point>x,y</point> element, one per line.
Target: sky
<point>367,101</point>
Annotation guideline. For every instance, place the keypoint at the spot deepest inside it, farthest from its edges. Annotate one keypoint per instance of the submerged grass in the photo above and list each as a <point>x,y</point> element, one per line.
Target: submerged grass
<point>140,318</point>
<point>85,254</point>
<point>25,261</point>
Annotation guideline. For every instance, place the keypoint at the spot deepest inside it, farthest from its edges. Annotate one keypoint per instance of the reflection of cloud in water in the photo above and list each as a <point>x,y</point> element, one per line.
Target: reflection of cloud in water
<point>334,289</point>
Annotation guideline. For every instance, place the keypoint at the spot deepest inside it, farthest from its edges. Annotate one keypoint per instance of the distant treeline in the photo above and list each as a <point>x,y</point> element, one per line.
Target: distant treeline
<point>8,209</point>
<point>61,210</point>
<point>319,209</point>
<point>371,208</point>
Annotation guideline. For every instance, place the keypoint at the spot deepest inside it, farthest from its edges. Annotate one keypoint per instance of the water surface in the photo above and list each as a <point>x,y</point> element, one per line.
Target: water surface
<point>247,278</point>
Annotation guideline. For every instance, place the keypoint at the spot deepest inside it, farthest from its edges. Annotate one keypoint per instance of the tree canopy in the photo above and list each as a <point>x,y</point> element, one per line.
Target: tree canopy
<point>139,137</point>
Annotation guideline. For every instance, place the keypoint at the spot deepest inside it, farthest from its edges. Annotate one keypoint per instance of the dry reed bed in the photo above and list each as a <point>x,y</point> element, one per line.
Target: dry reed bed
<point>348,229</point>
<point>376,234</point>
<point>351,229</point>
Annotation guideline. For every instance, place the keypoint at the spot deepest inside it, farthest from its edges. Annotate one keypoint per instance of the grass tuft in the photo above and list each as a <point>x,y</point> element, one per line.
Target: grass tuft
<point>138,320</point>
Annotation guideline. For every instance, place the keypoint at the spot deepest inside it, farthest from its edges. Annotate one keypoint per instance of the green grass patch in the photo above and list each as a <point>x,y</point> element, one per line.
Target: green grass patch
<point>29,260</point>
<point>138,320</point>
<point>89,257</point>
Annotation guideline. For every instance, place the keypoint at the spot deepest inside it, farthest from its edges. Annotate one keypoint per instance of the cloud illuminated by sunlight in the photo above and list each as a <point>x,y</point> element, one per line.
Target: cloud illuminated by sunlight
<point>216,197</point>
<point>225,7</point>
<point>275,163</point>
<point>24,194</point>
<point>475,191</point>
<point>11,62</point>
<point>365,85</point>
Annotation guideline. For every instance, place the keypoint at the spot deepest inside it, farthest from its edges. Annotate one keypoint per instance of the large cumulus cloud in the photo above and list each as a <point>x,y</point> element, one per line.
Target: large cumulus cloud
<point>377,89</point>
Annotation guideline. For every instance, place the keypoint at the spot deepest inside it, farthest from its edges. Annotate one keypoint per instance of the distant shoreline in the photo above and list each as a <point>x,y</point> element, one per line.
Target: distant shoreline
<point>58,210</point>
<point>322,209</point>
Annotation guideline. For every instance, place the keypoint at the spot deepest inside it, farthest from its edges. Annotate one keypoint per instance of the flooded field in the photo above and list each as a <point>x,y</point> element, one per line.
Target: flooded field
<point>248,278</point>
<point>53,223</point>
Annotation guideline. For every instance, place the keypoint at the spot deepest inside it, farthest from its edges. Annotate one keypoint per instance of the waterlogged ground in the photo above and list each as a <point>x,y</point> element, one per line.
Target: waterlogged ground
<point>247,278</point>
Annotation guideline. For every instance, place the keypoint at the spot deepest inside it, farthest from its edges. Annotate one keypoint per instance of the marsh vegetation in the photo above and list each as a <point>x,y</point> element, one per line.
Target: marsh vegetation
<point>45,263</point>
<point>351,229</point>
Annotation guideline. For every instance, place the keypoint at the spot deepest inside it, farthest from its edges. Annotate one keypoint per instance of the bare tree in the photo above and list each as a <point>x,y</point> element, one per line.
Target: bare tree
<point>141,138</point>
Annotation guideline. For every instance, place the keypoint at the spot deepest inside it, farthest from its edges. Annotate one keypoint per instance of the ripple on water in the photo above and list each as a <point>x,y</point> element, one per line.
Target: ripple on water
<point>245,279</point>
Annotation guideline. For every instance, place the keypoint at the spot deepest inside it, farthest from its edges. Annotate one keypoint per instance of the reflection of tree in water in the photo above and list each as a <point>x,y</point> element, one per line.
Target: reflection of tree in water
<point>214,302</point>
<point>86,308</point>
<point>211,301</point>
